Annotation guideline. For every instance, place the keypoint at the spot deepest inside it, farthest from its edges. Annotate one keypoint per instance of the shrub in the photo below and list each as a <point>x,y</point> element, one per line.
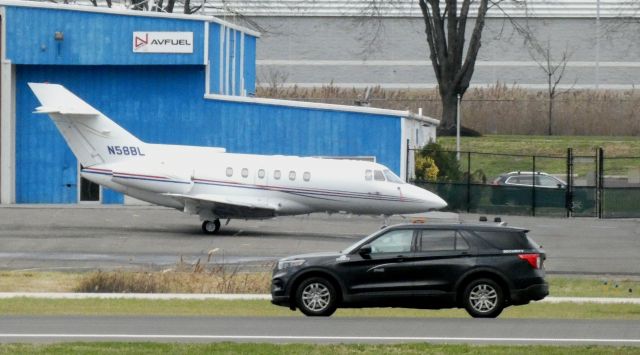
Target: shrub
<point>426,169</point>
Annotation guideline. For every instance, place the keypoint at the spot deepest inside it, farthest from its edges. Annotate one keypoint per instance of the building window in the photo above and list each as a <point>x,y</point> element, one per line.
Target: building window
<point>292,175</point>
<point>229,171</point>
<point>277,174</point>
<point>261,173</point>
<point>306,176</point>
<point>244,172</point>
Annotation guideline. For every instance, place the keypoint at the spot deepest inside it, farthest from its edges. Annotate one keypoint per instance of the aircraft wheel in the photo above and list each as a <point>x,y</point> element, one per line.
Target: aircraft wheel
<point>211,227</point>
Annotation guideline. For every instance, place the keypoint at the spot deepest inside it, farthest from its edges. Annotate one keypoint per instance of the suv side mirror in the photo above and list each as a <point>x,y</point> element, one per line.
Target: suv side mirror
<point>365,250</point>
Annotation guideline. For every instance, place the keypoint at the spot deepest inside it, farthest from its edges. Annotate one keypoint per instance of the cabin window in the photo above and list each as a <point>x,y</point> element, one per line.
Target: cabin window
<point>277,174</point>
<point>261,173</point>
<point>378,175</point>
<point>229,171</point>
<point>392,177</point>
<point>244,172</point>
<point>306,176</point>
<point>292,175</point>
<point>368,175</point>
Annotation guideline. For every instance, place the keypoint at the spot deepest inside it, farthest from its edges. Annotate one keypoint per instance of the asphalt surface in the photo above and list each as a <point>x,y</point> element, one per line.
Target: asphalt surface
<point>319,330</point>
<point>88,238</point>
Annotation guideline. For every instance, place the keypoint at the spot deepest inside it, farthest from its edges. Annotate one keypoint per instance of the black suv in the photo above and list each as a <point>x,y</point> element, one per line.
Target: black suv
<point>481,267</point>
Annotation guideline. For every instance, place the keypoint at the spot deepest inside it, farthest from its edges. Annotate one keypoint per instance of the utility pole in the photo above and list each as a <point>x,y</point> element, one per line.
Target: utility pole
<point>458,114</point>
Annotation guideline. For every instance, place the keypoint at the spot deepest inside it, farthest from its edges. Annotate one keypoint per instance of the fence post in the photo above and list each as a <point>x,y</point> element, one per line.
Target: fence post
<point>533,188</point>
<point>600,182</point>
<point>406,167</point>
<point>569,193</point>
<point>468,182</point>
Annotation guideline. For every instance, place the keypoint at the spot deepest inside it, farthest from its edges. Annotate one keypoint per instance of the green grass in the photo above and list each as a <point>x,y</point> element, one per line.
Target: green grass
<point>593,287</point>
<point>27,281</point>
<point>559,286</point>
<point>306,349</point>
<point>20,281</point>
<point>546,145</point>
<point>554,146</point>
<point>218,308</point>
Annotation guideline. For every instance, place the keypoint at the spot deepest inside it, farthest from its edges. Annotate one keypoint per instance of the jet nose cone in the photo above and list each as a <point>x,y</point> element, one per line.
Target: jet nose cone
<point>428,200</point>
<point>439,202</point>
<point>433,201</point>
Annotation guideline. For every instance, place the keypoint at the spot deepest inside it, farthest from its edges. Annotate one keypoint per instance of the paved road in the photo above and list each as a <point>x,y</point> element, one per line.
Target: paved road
<point>77,237</point>
<point>325,330</point>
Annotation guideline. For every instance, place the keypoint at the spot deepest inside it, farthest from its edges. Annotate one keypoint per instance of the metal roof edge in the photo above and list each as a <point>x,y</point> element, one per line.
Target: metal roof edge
<point>127,12</point>
<point>320,106</point>
<point>425,119</point>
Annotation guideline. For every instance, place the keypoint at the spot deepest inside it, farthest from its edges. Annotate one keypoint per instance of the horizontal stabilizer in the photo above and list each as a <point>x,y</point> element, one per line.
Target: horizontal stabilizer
<point>66,111</point>
<point>56,98</point>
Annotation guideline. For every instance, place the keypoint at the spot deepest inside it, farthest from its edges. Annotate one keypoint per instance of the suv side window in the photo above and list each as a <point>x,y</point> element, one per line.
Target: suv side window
<point>442,240</point>
<point>520,180</point>
<point>397,241</point>
<point>547,181</point>
<point>512,240</point>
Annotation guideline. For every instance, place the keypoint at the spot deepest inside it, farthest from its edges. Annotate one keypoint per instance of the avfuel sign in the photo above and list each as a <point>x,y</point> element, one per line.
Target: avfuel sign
<point>163,42</point>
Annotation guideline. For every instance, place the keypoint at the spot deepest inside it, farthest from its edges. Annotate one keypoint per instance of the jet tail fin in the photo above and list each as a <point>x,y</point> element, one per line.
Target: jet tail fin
<point>92,136</point>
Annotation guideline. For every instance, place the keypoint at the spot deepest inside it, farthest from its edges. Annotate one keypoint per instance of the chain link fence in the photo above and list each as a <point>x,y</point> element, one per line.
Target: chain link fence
<point>519,184</point>
<point>620,187</point>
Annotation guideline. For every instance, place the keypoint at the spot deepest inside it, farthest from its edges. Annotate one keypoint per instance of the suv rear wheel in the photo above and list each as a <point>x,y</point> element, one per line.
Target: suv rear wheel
<point>483,298</point>
<point>316,297</point>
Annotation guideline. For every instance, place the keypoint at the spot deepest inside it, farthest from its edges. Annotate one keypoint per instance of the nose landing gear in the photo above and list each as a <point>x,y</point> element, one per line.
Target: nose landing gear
<point>211,227</point>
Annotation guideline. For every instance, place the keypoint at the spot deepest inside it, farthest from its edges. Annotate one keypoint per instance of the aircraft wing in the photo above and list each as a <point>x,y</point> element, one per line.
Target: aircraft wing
<point>227,207</point>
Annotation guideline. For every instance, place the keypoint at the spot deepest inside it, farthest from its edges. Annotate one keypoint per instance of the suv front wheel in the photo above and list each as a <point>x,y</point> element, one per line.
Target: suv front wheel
<point>483,298</point>
<point>316,296</point>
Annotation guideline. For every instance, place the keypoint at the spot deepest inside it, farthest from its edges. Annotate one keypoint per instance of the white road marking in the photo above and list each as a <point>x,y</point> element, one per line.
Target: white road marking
<point>305,337</point>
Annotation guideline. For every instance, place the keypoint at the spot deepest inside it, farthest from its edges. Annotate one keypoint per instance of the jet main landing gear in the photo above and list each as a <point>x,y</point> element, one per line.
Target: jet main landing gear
<point>211,227</point>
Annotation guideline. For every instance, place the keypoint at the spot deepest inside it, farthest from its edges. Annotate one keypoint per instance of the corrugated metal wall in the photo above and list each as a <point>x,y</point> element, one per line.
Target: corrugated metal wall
<point>91,38</point>
<point>250,65</point>
<point>164,104</point>
<point>232,55</point>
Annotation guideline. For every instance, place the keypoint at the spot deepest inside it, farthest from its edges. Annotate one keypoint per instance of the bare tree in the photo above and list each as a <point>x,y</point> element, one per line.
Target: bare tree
<point>446,36</point>
<point>554,69</point>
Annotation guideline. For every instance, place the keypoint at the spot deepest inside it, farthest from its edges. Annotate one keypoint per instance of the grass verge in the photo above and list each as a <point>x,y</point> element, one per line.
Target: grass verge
<point>219,308</point>
<point>307,349</point>
<point>240,282</point>
<point>547,146</point>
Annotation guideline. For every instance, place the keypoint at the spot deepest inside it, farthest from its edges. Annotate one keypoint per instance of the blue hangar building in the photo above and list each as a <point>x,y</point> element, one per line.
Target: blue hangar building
<point>167,78</point>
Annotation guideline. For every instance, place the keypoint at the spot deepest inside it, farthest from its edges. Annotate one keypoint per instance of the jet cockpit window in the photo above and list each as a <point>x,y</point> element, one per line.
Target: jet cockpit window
<point>368,175</point>
<point>392,177</point>
<point>277,174</point>
<point>306,176</point>
<point>229,171</point>
<point>261,173</point>
<point>244,172</point>
<point>378,175</point>
<point>292,175</point>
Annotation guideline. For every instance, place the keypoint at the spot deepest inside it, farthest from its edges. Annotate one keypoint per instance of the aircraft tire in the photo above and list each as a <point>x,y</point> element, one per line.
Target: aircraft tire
<point>211,227</point>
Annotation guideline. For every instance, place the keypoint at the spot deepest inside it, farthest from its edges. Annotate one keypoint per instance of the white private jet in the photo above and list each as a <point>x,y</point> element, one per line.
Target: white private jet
<point>217,185</point>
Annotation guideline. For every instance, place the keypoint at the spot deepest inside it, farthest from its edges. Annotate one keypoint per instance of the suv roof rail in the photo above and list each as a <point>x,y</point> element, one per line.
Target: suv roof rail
<point>527,172</point>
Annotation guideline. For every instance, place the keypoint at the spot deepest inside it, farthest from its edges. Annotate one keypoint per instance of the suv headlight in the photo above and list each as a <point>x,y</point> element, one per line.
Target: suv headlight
<point>286,264</point>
